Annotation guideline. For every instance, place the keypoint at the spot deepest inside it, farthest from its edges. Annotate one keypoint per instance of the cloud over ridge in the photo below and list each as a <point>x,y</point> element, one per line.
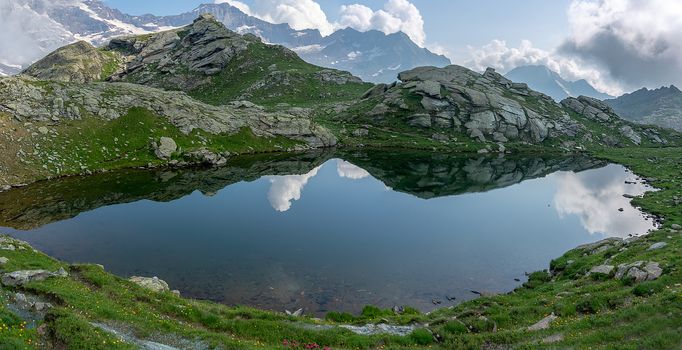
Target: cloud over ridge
<point>616,45</point>
<point>395,16</point>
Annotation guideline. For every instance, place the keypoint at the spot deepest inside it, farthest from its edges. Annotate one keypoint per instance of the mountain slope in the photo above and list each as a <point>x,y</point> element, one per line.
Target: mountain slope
<point>216,65</point>
<point>541,78</point>
<point>662,106</point>
<point>48,25</point>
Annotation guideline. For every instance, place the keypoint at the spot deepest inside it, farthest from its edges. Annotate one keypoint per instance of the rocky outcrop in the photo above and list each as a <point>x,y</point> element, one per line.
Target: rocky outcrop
<point>79,63</point>
<point>337,77</point>
<point>27,101</point>
<point>181,57</point>
<point>491,108</point>
<point>19,278</point>
<point>485,107</point>
<point>639,271</point>
<point>601,112</point>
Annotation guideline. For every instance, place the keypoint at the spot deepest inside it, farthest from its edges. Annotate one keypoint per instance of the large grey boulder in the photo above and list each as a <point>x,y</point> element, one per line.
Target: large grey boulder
<point>485,121</point>
<point>420,120</point>
<point>165,148</point>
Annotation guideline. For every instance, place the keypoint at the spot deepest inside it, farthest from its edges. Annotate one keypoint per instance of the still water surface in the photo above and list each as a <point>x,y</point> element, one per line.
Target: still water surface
<point>328,231</point>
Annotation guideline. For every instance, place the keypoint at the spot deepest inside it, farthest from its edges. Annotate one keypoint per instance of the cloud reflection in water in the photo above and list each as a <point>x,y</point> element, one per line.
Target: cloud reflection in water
<point>287,188</point>
<point>596,197</point>
<point>350,170</point>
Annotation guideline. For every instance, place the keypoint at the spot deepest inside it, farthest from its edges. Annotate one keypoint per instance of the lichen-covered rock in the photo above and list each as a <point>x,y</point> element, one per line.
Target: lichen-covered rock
<point>544,323</point>
<point>152,283</point>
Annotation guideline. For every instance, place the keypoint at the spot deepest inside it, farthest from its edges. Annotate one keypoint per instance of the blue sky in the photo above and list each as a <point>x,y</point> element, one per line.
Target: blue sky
<point>447,23</point>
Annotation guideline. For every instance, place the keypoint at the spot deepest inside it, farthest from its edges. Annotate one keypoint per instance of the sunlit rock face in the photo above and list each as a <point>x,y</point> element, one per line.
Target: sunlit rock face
<point>597,199</point>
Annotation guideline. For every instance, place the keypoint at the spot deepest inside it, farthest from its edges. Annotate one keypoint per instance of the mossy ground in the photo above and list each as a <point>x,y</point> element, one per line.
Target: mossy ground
<point>593,312</point>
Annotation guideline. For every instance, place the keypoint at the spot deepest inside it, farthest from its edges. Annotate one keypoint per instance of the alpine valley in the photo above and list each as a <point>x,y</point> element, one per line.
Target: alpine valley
<point>287,195</point>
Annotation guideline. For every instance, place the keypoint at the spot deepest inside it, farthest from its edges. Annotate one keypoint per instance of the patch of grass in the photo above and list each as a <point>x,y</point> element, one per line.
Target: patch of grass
<point>112,61</point>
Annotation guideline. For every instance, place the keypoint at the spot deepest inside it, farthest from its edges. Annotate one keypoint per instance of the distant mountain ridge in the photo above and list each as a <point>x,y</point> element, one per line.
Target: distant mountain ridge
<point>662,106</point>
<point>543,79</point>
<point>372,55</point>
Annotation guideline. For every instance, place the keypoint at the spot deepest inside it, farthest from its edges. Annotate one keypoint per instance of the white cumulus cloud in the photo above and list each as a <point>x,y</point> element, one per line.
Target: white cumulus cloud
<point>636,42</point>
<point>395,16</point>
<point>497,54</point>
<point>616,45</point>
<point>299,14</point>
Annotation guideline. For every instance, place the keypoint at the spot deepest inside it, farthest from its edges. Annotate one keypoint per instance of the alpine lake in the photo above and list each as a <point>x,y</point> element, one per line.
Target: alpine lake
<point>332,231</point>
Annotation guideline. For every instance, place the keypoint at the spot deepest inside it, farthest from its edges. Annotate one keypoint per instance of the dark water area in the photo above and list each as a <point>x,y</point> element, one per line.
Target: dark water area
<point>331,232</point>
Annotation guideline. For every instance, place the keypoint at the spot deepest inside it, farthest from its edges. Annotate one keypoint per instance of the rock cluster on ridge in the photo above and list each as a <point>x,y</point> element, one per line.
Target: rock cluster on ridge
<point>490,107</point>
